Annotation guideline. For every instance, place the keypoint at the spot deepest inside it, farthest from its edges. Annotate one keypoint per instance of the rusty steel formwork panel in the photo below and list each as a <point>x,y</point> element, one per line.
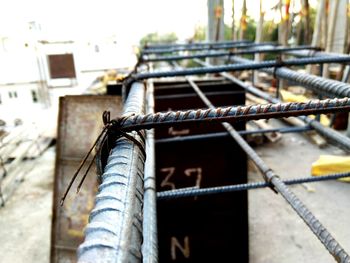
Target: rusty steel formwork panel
<point>79,124</point>
<point>205,228</point>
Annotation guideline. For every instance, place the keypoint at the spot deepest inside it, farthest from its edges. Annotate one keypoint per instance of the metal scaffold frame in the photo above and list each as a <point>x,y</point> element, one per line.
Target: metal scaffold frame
<point>123,224</point>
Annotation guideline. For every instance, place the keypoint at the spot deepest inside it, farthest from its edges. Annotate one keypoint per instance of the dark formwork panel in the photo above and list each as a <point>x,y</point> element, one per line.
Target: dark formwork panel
<point>207,228</point>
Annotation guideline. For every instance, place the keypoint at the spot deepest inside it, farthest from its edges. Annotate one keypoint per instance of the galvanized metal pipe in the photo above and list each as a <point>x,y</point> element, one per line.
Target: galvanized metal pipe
<point>332,135</point>
<point>150,233</point>
<point>311,221</point>
<point>225,53</point>
<point>186,192</point>
<point>245,66</point>
<point>197,48</point>
<point>114,232</point>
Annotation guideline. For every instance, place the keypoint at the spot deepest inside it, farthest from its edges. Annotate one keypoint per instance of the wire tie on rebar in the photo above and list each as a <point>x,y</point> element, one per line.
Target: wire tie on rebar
<point>268,179</point>
<point>279,64</point>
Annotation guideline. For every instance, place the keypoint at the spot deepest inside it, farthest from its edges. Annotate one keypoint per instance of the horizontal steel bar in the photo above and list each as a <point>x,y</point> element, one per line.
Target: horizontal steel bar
<point>186,95</point>
<point>186,192</point>
<point>240,67</point>
<point>225,53</point>
<point>174,45</point>
<point>196,48</point>
<point>225,134</point>
<point>329,87</point>
<point>114,232</point>
<point>332,135</point>
<point>234,113</point>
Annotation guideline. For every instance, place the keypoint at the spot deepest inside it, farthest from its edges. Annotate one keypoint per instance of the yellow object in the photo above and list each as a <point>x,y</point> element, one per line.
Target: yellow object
<point>290,97</point>
<point>330,164</point>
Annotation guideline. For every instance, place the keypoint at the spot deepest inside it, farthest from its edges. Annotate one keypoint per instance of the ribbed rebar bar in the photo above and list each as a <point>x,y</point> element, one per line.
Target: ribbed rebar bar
<point>330,134</point>
<point>325,86</point>
<point>114,232</point>
<point>311,221</point>
<point>188,192</point>
<point>240,67</point>
<point>233,113</point>
<point>150,233</point>
<point>197,48</point>
<point>225,53</point>
<point>195,44</point>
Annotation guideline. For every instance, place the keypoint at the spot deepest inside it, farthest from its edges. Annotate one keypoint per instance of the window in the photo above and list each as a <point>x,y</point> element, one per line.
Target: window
<point>34,96</point>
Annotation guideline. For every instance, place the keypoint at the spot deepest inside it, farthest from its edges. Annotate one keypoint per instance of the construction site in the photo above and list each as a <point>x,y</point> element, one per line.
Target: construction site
<point>175,131</point>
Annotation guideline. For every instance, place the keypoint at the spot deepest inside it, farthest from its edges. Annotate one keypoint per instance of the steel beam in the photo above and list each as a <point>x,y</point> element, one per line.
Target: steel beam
<point>114,233</point>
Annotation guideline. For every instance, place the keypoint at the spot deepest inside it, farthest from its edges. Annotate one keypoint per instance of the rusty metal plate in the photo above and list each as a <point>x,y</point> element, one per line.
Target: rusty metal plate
<point>79,124</point>
<point>61,66</point>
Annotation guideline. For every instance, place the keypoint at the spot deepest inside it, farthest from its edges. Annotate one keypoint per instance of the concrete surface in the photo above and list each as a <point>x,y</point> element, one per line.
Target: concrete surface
<point>277,234</point>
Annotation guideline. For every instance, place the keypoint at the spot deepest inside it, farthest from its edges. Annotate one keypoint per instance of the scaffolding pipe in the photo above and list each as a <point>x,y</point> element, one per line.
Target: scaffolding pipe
<point>114,232</point>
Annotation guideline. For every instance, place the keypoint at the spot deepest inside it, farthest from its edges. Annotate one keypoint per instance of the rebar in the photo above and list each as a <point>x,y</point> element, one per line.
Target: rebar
<point>210,44</point>
<point>114,232</point>
<point>150,236</point>
<point>186,192</point>
<point>242,66</point>
<point>327,87</point>
<point>270,177</point>
<point>225,134</point>
<point>196,48</point>
<point>332,135</point>
<point>233,113</point>
<point>225,53</point>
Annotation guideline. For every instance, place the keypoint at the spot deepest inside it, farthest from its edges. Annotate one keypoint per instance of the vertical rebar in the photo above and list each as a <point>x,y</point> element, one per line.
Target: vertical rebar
<point>150,233</point>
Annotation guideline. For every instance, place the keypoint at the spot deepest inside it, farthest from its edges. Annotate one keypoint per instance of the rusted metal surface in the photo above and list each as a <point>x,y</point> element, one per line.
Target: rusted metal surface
<point>78,126</point>
<point>61,66</point>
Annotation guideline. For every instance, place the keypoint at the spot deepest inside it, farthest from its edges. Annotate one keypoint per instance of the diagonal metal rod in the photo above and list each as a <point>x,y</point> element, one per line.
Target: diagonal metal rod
<point>225,53</point>
<point>311,221</point>
<point>233,113</point>
<point>197,48</point>
<point>321,85</point>
<point>181,193</point>
<point>332,135</point>
<point>239,67</point>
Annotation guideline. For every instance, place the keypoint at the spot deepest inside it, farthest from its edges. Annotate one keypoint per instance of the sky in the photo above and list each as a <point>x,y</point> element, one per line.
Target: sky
<point>127,20</point>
